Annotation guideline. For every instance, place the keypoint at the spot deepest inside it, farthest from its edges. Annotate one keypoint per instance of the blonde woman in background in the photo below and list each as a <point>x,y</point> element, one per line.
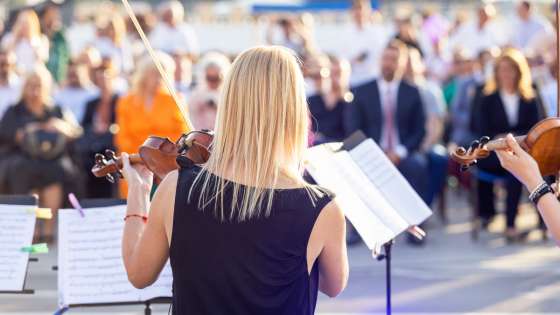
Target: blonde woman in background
<point>245,233</point>
<point>27,42</point>
<point>509,105</point>
<point>148,109</point>
<point>35,136</point>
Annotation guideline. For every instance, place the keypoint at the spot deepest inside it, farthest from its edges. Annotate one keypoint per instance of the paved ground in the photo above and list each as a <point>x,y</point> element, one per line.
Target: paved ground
<point>450,275</point>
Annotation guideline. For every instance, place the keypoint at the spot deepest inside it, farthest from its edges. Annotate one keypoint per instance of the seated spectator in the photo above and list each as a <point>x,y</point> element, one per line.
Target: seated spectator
<point>10,85</point>
<point>27,42</point>
<point>148,109</point>
<point>172,35</point>
<point>205,97</point>
<point>77,90</point>
<point>34,141</point>
<point>509,105</point>
<point>331,77</point>
<point>389,110</point>
<point>99,125</point>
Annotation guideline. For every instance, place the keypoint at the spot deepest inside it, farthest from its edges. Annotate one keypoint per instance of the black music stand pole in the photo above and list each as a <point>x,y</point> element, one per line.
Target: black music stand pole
<point>387,256</point>
<point>148,310</point>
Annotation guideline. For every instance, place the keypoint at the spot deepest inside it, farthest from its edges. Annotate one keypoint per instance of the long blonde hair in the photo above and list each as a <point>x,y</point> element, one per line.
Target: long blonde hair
<point>261,133</point>
<point>524,80</point>
<point>28,18</point>
<point>44,76</point>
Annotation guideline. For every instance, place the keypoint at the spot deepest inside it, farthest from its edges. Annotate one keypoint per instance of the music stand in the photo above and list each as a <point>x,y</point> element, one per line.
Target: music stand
<point>107,202</point>
<point>21,200</point>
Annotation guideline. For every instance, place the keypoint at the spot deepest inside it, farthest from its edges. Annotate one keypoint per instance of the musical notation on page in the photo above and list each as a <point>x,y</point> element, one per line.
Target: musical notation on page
<point>17,224</point>
<point>91,268</point>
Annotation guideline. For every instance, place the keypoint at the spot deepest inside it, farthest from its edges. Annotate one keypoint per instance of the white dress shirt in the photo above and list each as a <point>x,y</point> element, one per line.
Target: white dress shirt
<point>511,106</point>
<point>523,32</point>
<point>388,92</point>
<point>174,40</point>
<point>369,42</point>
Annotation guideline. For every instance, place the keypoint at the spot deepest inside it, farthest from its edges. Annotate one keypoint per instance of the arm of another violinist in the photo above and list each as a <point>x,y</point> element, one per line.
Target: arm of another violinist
<point>145,245</point>
<point>525,168</point>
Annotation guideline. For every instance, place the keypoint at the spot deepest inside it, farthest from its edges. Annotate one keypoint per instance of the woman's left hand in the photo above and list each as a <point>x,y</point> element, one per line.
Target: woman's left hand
<point>137,176</point>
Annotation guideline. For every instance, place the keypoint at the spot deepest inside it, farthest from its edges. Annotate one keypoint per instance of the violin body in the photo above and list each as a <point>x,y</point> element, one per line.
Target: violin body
<point>542,143</point>
<point>158,154</point>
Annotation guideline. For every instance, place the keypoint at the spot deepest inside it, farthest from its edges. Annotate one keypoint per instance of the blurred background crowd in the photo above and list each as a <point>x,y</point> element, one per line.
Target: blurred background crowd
<point>420,79</point>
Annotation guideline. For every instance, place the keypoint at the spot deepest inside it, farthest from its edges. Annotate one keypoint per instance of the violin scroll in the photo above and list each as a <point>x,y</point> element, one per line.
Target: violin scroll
<point>467,157</point>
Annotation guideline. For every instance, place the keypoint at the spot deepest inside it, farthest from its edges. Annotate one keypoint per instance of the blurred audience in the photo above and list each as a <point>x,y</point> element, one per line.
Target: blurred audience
<point>76,91</point>
<point>112,43</point>
<point>327,106</point>
<point>99,123</point>
<point>172,35</point>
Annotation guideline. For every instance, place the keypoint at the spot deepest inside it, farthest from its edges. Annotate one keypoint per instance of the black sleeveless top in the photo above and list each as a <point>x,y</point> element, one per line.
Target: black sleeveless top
<point>258,266</point>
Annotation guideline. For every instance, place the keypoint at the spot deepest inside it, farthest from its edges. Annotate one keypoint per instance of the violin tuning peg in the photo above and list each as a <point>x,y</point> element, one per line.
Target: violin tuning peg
<point>484,140</point>
<point>474,145</point>
<point>110,178</point>
<point>110,154</point>
<point>99,159</point>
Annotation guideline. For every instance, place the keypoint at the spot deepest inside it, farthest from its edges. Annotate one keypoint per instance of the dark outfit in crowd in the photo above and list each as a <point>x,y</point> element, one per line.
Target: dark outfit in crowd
<point>43,157</point>
<point>366,113</point>
<point>328,124</point>
<point>93,142</point>
<point>258,266</point>
<point>492,122</point>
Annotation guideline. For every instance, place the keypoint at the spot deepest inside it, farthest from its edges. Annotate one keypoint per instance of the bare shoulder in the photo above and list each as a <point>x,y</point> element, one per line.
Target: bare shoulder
<point>332,214</point>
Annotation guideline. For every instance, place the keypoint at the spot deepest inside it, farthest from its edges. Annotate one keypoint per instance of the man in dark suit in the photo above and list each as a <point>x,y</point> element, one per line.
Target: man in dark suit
<point>390,111</point>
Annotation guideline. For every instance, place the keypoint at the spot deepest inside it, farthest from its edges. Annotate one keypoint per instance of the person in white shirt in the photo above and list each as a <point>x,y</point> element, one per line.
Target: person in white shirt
<point>10,85</point>
<point>527,26</point>
<point>484,33</point>
<point>77,91</point>
<point>363,43</point>
<point>172,35</point>
<point>27,42</point>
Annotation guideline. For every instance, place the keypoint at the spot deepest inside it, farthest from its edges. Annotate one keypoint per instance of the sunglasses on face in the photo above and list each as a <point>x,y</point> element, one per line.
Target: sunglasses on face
<point>213,79</point>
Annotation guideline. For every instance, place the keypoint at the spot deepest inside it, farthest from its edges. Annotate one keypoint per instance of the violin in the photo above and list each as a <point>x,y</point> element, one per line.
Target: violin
<point>542,143</point>
<point>157,153</point>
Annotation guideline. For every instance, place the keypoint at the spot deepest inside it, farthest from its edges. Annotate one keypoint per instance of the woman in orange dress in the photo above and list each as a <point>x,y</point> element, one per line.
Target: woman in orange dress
<point>148,109</point>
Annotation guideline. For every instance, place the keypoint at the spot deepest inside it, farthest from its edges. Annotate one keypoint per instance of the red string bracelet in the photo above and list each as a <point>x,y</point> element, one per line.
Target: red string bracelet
<point>143,217</point>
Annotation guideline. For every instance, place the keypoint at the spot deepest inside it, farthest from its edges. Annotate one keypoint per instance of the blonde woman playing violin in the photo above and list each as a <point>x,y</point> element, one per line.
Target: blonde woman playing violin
<point>245,234</point>
<point>525,168</point>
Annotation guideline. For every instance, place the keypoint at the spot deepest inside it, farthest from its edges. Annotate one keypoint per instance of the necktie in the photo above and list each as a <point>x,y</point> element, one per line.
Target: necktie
<point>389,120</point>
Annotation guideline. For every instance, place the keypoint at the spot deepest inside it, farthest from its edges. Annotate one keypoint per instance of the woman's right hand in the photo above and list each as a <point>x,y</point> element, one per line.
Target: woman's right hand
<point>520,164</point>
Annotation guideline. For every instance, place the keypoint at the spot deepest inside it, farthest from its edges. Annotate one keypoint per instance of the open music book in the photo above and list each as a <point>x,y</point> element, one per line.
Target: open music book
<point>374,196</point>
<point>17,223</point>
<point>90,264</point>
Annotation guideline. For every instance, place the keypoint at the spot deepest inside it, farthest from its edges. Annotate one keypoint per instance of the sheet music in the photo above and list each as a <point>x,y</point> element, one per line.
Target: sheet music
<point>370,194</point>
<point>91,269</point>
<point>383,174</point>
<point>17,224</point>
<point>320,163</point>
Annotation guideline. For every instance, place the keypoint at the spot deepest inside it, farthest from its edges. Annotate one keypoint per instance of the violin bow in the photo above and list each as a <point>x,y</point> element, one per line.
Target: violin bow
<point>164,75</point>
